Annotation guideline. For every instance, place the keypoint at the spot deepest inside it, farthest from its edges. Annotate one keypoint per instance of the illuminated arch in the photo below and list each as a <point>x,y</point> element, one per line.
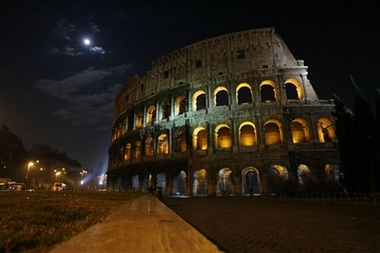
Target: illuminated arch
<point>163,144</point>
<point>151,114</point>
<point>139,119</point>
<point>224,185</point>
<point>137,150</point>
<point>244,94</point>
<point>277,175</point>
<point>300,130</point>
<point>180,184</point>
<point>268,91</point>
<point>326,130</point>
<point>199,100</point>
<point>297,86</point>
<point>251,184</point>
<point>127,154</point>
<point>180,105</point>
<point>200,183</point>
<point>273,132</point>
<point>329,173</point>
<point>200,139</point>
<point>221,96</point>
<point>223,137</point>
<point>149,149</point>
<point>303,174</point>
<point>247,134</point>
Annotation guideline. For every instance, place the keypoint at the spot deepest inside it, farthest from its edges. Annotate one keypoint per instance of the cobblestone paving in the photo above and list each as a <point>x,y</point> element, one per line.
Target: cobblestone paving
<point>238,224</point>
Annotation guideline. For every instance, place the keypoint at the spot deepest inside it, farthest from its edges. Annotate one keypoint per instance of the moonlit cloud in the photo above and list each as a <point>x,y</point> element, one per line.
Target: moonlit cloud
<point>97,50</point>
<point>88,95</point>
<point>63,29</point>
<point>67,39</point>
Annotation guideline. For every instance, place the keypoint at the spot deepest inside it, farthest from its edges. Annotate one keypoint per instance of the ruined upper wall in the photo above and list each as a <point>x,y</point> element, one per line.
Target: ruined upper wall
<point>233,53</point>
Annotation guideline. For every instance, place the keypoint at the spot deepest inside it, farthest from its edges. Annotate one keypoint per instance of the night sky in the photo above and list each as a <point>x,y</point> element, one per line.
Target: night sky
<point>57,90</point>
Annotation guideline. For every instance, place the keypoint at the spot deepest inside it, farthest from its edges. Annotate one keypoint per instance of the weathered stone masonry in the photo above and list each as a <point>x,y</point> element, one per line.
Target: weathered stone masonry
<point>235,114</point>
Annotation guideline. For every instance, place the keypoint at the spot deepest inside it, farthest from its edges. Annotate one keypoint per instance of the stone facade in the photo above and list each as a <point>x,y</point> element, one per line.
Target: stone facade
<point>231,115</point>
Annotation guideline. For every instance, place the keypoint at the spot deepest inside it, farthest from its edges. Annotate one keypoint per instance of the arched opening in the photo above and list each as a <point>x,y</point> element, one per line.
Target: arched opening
<point>161,182</point>
<point>199,100</point>
<point>137,150</point>
<point>120,155</point>
<point>139,119</point>
<point>127,154</point>
<point>247,135</point>
<point>276,177</point>
<point>300,131</point>
<point>135,183</point>
<point>166,110</point>
<point>200,183</point>
<point>223,136</point>
<point>221,96</point>
<point>251,182</point>
<point>225,186</point>
<point>181,105</point>
<point>329,173</point>
<point>291,91</point>
<point>149,149</point>
<point>272,133</point>
<point>163,144</point>
<point>306,179</point>
<point>267,91</point>
<point>200,139</point>
<point>180,142</point>
<point>180,184</point>
<point>147,183</point>
<point>326,130</point>
<point>244,94</point>
<point>151,114</point>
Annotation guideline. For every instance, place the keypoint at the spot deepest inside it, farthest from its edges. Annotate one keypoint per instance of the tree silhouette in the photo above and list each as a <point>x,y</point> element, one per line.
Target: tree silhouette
<point>358,132</point>
<point>12,153</point>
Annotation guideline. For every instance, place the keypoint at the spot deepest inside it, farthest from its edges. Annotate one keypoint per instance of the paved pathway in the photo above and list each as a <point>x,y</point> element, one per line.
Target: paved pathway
<point>144,225</point>
<point>238,224</point>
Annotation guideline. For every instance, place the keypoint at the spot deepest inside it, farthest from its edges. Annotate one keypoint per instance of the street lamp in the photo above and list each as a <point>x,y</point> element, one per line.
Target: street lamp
<point>30,164</point>
<point>82,173</point>
<point>57,173</point>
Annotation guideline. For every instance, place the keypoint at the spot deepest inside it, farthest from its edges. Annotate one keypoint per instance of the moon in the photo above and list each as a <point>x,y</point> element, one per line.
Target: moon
<point>86,41</point>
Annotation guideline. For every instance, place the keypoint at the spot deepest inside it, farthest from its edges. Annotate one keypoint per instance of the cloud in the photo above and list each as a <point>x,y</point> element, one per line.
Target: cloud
<point>63,29</point>
<point>97,50</point>
<point>88,96</point>
<point>68,39</point>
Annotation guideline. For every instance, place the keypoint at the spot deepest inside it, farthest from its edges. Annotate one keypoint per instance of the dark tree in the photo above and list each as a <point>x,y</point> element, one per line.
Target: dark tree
<point>51,161</point>
<point>358,133</point>
<point>51,158</point>
<point>12,153</point>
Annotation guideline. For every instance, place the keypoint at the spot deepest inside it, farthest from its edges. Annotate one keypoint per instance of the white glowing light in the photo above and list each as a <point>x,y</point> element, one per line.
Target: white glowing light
<point>87,41</point>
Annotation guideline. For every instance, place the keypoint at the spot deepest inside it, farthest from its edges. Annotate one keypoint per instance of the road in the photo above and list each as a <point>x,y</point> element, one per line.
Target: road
<point>238,224</point>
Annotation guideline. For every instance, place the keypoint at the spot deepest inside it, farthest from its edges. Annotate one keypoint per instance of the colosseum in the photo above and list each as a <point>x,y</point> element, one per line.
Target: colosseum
<point>230,115</point>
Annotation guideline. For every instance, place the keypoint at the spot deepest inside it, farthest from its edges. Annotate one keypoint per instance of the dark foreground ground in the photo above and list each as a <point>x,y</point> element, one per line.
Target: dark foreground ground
<point>238,224</point>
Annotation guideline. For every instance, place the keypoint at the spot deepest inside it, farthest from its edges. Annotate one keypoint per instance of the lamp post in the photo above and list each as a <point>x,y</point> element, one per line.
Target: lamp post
<point>57,173</point>
<point>82,173</point>
<point>30,164</point>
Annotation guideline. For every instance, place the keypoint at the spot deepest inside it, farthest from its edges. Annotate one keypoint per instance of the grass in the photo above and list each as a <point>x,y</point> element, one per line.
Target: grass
<point>36,221</point>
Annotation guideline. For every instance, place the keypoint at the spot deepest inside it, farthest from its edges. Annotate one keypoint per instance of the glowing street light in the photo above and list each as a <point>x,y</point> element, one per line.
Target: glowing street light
<point>30,164</point>
<point>82,173</point>
<point>57,173</point>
